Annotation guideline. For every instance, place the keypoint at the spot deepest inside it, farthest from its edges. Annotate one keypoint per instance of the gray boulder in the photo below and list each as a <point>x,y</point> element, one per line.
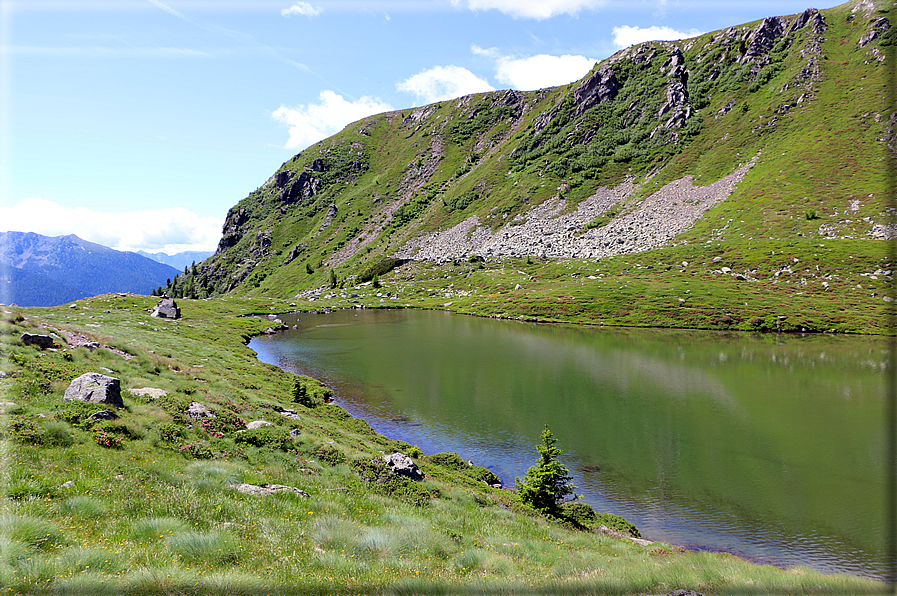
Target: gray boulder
<point>150,392</point>
<point>166,309</point>
<point>197,411</point>
<point>44,342</point>
<point>258,424</point>
<point>401,464</point>
<point>269,489</point>
<point>96,388</point>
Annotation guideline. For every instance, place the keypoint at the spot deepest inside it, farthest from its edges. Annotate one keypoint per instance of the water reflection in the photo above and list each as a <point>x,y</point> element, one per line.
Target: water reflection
<point>769,448</point>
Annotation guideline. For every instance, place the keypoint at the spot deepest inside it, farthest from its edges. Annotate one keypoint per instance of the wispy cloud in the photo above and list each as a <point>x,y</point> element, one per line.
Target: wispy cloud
<point>532,9</point>
<point>303,9</point>
<point>310,123</point>
<point>167,8</point>
<point>535,72</point>
<point>443,82</point>
<point>626,36</point>
<point>173,229</point>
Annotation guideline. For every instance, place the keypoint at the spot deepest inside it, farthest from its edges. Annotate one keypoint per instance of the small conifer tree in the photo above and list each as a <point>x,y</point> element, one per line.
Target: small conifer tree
<point>301,394</point>
<point>548,482</point>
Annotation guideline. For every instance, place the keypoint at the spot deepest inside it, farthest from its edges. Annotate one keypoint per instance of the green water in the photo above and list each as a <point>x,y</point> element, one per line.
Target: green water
<point>769,447</point>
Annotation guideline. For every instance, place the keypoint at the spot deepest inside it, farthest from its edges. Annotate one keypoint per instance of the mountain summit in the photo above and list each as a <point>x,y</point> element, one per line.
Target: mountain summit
<point>45,271</point>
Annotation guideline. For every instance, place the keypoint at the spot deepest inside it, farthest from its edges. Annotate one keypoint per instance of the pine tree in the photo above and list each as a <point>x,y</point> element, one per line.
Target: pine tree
<point>548,482</point>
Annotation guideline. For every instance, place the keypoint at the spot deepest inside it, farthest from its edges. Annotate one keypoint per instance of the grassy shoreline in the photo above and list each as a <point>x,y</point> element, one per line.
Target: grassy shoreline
<point>160,514</point>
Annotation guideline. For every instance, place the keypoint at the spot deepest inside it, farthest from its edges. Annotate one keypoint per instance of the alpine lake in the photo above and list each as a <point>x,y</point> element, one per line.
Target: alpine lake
<point>772,447</point>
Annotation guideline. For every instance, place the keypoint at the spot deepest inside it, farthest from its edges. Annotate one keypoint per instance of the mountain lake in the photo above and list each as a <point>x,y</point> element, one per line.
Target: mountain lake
<point>770,447</point>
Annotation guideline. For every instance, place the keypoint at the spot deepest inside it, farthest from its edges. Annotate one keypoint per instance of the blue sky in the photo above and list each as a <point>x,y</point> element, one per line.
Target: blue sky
<point>139,123</point>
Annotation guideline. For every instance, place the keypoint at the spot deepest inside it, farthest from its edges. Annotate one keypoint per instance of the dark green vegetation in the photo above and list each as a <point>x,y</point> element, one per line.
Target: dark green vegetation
<point>547,483</point>
<point>801,236</point>
<point>148,503</point>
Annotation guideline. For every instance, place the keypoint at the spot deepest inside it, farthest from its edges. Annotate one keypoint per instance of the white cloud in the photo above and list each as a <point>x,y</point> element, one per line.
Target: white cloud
<point>536,72</point>
<point>533,9</point>
<point>313,122</point>
<point>173,229</point>
<point>626,36</point>
<point>444,82</point>
<point>302,8</point>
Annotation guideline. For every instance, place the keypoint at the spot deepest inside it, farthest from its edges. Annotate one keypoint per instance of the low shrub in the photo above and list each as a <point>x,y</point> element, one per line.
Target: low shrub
<point>620,524</point>
<point>412,451</point>
<point>197,450</point>
<point>171,432</point>
<point>378,269</point>
<point>110,440</point>
<point>484,475</point>
<point>25,431</point>
<point>334,412</point>
<point>449,460</point>
<point>378,473</point>
<point>77,412</point>
<point>329,454</point>
<point>272,437</point>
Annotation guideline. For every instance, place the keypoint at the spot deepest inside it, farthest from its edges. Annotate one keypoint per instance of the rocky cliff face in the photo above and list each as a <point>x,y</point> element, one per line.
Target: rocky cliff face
<point>648,147</point>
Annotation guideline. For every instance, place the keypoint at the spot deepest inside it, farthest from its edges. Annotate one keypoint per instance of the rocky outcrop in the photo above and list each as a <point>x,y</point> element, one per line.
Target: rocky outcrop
<point>232,230</point>
<point>303,187</point>
<point>269,489</point>
<point>166,309</point>
<point>328,217</point>
<point>44,342</point>
<point>197,411</point>
<point>403,465</point>
<point>811,16</point>
<point>95,388</point>
<point>149,392</point>
<point>761,39</point>
<point>295,252</point>
<point>876,28</point>
<point>601,87</point>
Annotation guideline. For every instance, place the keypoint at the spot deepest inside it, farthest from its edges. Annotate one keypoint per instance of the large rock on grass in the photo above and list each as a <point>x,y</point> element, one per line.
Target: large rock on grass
<point>269,489</point>
<point>96,388</point>
<point>166,309</point>
<point>44,342</point>
<point>399,463</point>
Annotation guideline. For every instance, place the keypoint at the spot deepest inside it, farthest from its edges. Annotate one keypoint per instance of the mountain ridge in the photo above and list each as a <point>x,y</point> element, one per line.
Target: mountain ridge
<point>804,98</point>
<point>65,268</point>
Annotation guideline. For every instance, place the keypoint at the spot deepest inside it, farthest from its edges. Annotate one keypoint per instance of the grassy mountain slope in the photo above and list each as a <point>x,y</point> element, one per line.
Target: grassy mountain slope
<point>149,503</point>
<point>616,169</point>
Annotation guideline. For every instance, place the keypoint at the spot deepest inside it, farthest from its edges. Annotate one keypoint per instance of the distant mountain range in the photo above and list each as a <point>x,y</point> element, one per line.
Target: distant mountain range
<point>178,260</point>
<point>38,270</point>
